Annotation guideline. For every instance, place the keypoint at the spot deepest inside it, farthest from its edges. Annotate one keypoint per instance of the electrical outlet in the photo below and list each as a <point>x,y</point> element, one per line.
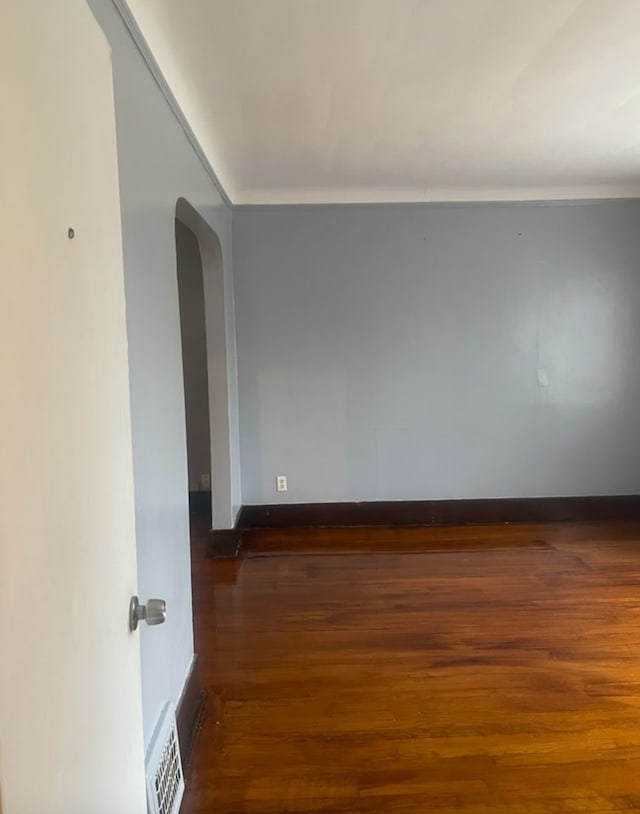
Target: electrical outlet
<point>281,483</point>
<point>205,482</point>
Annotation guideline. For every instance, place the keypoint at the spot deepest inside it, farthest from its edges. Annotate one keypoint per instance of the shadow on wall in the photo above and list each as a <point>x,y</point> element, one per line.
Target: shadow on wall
<point>213,368</point>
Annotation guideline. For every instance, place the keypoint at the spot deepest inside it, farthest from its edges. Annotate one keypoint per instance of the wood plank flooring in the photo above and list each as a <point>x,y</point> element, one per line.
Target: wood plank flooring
<point>477,669</point>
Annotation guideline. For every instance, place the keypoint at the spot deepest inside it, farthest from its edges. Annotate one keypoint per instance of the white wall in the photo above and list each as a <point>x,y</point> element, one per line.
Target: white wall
<point>157,166</point>
<point>438,351</point>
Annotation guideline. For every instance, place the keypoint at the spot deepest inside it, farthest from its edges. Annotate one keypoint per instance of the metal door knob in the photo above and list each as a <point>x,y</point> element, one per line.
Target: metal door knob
<point>153,613</point>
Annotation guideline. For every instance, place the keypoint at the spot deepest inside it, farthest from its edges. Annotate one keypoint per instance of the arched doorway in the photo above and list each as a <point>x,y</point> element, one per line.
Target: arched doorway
<point>204,351</point>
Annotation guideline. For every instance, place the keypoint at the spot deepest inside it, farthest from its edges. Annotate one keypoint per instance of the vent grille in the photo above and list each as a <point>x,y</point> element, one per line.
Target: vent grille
<point>165,781</point>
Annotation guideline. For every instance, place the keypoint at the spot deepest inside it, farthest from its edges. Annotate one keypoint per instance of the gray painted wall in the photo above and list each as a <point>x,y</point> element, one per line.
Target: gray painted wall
<point>194,354</point>
<point>438,351</point>
<point>157,166</point>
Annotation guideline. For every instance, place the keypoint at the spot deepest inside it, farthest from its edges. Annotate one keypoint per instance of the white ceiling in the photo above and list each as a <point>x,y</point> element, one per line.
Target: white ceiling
<point>407,100</point>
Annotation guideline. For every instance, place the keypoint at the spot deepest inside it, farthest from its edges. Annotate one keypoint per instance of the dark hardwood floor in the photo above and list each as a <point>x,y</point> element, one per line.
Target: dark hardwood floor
<point>475,669</point>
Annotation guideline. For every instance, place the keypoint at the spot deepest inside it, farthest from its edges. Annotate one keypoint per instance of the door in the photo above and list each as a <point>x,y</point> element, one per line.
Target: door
<point>70,707</point>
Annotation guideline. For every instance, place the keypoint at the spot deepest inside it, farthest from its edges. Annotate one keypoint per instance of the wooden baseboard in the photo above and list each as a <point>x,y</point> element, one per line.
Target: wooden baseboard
<point>189,711</point>
<point>225,543</point>
<point>440,512</point>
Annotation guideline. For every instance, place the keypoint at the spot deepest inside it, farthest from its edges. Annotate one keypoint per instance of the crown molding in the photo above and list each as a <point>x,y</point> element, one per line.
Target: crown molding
<point>142,45</point>
<point>443,195</point>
